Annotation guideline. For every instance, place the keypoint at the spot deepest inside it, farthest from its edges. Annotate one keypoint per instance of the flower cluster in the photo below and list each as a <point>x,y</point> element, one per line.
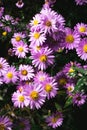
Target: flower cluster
<point>44,69</point>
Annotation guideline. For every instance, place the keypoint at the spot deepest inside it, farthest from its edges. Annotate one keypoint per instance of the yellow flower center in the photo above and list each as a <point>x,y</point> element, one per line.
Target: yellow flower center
<point>85,48</point>
<point>70,88</point>
<point>36,35</point>
<point>34,95</point>
<point>20,49</point>
<point>38,48</point>
<point>24,72</point>
<point>55,119</point>
<point>9,75</point>
<point>82,29</point>
<point>62,81</point>
<point>41,78</point>
<point>48,23</point>
<point>69,38</point>
<point>2,127</point>
<point>48,88</point>
<point>21,98</point>
<point>71,70</point>
<point>43,58</point>
<point>18,38</point>
<point>35,22</point>
<point>4,33</point>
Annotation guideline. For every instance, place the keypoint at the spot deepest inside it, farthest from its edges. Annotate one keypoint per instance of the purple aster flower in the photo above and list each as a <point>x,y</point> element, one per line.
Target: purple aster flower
<point>20,4</point>
<point>35,95</point>
<point>81,28</point>
<point>79,98</point>
<point>37,37</point>
<point>3,66</point>
<point>11,75</point>
<point>43,58</point>
<point>40,77</point>
<point>17,37</point>
<point>81,2</point>
<point>49,20</point>
<point>5,123</point>
<point>85,67</point>
<point>1,11</point>
<point>21,49</point>
<point>82,49</point>
<point>72,39</point>
<point>50,87</point>
<point>69,88</point>
<point>20,99</point>
<point>55,120</point>
<point>26,72</point>
<point>8,18</point>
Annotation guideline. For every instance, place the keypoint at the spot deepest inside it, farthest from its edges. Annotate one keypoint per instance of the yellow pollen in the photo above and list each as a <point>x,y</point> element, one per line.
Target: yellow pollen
<point>36,35</point>
<point>62,81</point>
<point>21,98</point>
<point>35,22</point>
<point>69,38</point>
<point>70,88</point>
<point>48,88</point>
<point>48,23</point>
<point>82,29</point>
<point>20,49</point>
<point>2,127</point>
<point>71,70</point>
<point>34,95</point>
<point>43,58</point>
<point>24,72</point>
<point>9,75</point>
<point>18,38</point>
<point>4,33</point>
<point>85,48</point>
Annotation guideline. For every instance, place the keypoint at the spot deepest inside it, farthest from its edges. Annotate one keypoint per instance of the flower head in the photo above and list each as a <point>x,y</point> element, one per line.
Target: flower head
<point>20,4</point>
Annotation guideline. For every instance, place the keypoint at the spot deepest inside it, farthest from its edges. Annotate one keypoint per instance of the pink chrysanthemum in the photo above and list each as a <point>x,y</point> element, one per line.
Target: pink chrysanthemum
<point>20,99</point>
<point>82,49</point>
<point>5,123</point>
<point>11,75</point>
<point>20,4</point>
<point>3,66</point>
<point>43,58</point>
<point>21,49</point>
<point>55,120</point>
<point>17,37</point>
<point>37,37</point>
<point>81,28</point>
<point>69,88</point>
<point>50,87</point>
<point>26,72</point>
<point>36,96</point>
<point>79,98</point>
<point>72,39</point>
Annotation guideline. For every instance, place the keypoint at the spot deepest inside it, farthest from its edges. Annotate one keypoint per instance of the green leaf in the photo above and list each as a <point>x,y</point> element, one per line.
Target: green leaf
<point>58,107</point>
<point>68,102</point>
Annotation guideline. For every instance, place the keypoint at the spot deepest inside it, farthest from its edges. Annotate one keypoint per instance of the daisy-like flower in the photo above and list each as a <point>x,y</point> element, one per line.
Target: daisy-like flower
<point>11,75</point>
<point>69,88</point>
<point>49,20</point>
<point>20,99</point>
<point>20,4</point>
<point>43,58</point>
<point>36,96</point>
<point>26,72</point>
<point>50,87</point>
<point>79,98</point>
<point>3,66</point>
<point>40,77</point>
<point>81,28</point>
<point>82,49</point>
<point>17,37</point>
<point>37,37</point>
<point>34,48</point>
<point>72,39</point>
<point>81,2</point>
<point>55,120</point>
<point>5,123</point>
<point>21,49</point>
